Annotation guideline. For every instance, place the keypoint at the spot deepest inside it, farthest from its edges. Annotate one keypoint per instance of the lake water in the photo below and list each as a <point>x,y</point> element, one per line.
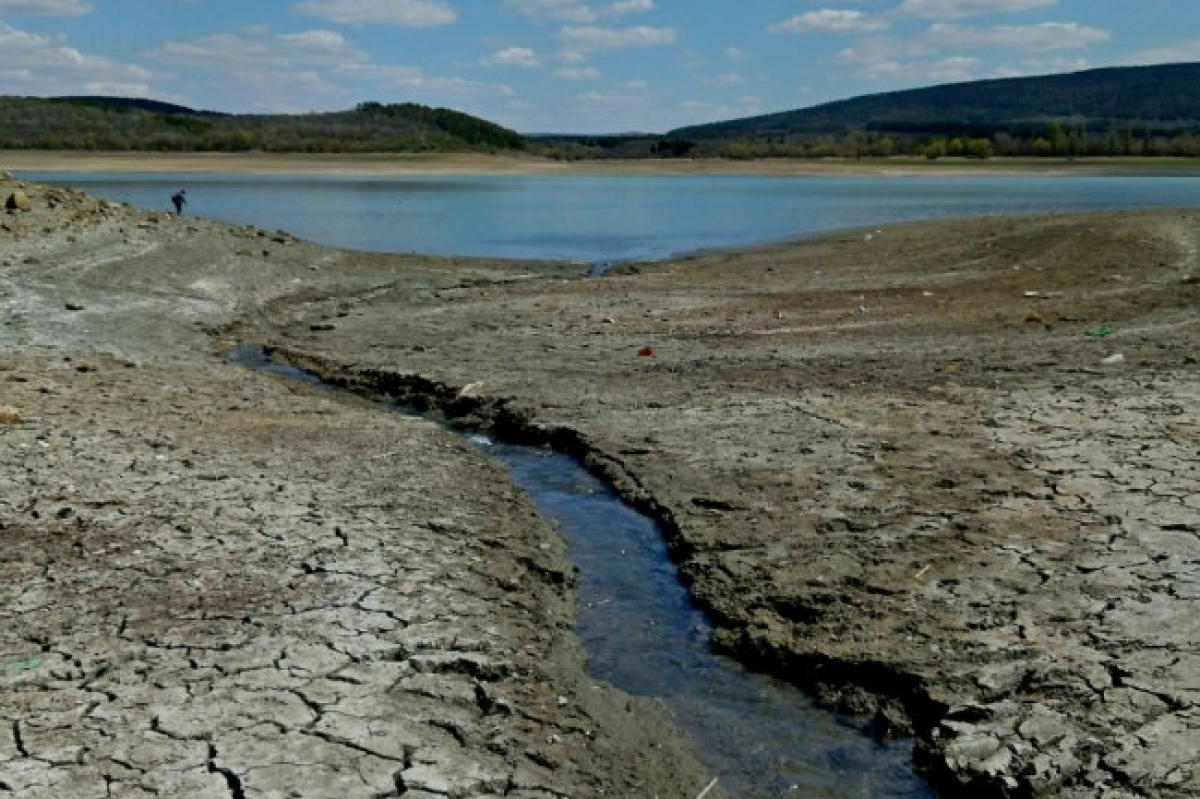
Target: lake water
<point>602,220</point>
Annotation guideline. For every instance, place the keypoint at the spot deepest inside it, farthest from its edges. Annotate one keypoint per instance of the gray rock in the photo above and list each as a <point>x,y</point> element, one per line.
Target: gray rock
<point>18,201</point>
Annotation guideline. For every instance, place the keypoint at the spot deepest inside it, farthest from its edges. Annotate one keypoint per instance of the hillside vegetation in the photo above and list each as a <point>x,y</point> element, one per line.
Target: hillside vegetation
<point>1119,111</point>
<point>1123,111</point>
<point>107,123</point>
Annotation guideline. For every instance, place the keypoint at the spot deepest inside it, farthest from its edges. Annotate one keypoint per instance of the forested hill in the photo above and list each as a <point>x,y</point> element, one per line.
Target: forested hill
<point>1128,107</point>
<point>116,123</point>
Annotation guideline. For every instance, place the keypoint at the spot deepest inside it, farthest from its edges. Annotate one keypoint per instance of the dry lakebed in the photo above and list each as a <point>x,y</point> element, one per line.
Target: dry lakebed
<point>942,476</point>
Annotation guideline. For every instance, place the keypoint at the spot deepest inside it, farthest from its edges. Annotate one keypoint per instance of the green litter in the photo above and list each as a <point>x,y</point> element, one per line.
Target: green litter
<point>1099,332</point>
<point>22,666</point>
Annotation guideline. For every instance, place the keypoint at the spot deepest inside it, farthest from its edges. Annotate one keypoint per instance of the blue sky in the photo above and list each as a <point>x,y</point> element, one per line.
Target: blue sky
<point>578,66</point>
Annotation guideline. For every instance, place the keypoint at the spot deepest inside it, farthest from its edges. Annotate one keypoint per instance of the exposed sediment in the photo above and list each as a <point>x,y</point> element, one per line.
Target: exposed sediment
<point>904,468</point>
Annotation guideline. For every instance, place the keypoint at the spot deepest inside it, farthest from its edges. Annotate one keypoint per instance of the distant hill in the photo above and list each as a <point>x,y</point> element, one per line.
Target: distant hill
<point>121,123</point>
<point>1168,96</point>
<point>1119,110</point>
<point>138,103</point>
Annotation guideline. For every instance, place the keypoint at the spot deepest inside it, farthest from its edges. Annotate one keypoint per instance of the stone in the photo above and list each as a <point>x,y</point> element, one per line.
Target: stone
<point>18,201</point>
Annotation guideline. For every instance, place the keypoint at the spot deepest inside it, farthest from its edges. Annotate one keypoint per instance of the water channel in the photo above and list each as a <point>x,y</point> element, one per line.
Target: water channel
<point>761,737</point>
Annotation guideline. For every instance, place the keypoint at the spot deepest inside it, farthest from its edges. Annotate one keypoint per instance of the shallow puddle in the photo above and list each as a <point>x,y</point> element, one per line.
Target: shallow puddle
<point>761,737</point>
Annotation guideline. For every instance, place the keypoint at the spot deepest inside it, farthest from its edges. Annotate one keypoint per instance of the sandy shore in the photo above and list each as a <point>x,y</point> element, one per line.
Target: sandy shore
<point>483,164</point>
<point>945,474</point>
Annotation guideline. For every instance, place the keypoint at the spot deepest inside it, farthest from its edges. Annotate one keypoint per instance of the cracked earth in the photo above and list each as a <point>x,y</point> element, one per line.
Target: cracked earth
<point>945,474</point>
<point>216,584</point>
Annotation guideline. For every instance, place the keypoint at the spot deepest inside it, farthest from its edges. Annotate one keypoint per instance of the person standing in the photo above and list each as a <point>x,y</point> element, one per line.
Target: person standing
<point>179,199</point>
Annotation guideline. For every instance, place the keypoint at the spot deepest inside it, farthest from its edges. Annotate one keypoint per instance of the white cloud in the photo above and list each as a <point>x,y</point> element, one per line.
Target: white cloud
<point>1175,52</point>
<point>578,73</point>
<point>453,91</point>
<point>578,11</point>
<point>1044,37</point>
<point>830,20</point>
<point>116,89</point>
<point>883,48</point>
<point>42,65</point>
<point>610,111</point>
<point>513,57</point>
<point>317,42</point>
<point>590,39</point>
<point>45,8</point>
<point>557,10</point>
<point>401,13</point>
<point>936,56</point>
<point>572,57</point>
<point>883,69</point>
<point>623,8</point>
<point>958,9</point>
<point>381,74</point>
<point>955,69</point>
<point>885,58</point>
<point>723,81</point>
<point>258,70</point>
<point>701,111</point>
<point>257,48</point>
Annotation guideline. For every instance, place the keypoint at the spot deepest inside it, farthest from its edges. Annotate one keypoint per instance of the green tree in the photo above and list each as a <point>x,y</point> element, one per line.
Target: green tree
<point>1058,139</point>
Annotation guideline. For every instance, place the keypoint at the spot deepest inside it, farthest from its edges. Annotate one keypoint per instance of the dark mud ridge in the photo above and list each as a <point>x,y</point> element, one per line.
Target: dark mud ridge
<point>891,702</point>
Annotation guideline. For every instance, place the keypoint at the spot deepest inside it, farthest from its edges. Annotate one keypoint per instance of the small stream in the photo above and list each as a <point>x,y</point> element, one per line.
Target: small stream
<point>763,738</point>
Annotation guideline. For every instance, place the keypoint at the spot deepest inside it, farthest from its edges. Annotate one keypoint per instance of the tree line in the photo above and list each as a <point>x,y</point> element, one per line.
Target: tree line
<point>122,124</point>
<point>1055,140</point>
<point>1115,111</point>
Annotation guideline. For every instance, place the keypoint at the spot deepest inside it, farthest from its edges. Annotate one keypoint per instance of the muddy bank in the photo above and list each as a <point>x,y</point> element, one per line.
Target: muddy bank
<point>942,473</point>
<point>216,584</point>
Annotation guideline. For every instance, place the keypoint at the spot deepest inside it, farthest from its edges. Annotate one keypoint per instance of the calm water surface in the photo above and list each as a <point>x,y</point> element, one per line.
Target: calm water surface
<point>607,219</point>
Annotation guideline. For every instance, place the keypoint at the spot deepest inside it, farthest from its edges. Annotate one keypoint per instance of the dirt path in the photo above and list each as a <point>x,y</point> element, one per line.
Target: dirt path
<point>903,468</point>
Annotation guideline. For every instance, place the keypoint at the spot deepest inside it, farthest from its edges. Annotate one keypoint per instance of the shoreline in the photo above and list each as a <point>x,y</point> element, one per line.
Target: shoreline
<point>521,165</point>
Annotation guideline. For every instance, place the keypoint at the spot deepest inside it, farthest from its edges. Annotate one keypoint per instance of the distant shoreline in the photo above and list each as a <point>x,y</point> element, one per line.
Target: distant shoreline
<point>388,164</point>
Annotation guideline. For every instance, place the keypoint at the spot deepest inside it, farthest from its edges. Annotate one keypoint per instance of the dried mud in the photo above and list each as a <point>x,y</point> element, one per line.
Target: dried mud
<point>945,474</point>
